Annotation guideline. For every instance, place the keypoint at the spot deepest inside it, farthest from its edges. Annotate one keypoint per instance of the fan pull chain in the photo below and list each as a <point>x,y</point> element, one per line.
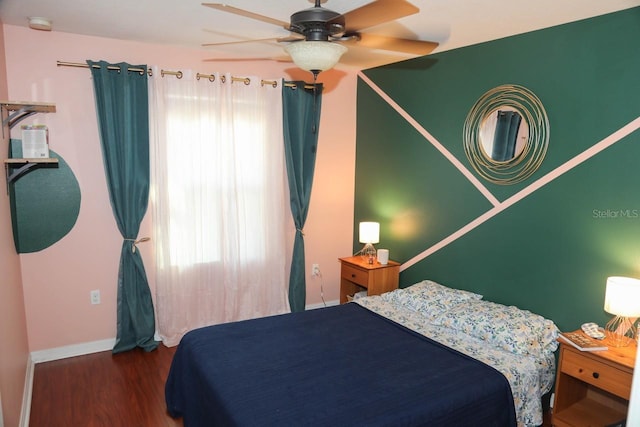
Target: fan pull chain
<point>314,126</point>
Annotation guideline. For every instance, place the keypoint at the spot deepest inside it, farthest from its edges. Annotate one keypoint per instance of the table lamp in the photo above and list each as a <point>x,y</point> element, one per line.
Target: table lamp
<point>369,233</point>
<point>622,299</point>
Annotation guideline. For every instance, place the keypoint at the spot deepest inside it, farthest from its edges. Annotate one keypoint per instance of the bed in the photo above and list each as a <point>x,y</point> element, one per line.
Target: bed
<point>412,357</point>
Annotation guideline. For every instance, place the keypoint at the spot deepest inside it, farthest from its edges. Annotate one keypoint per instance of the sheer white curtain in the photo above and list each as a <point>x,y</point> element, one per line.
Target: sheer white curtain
<point>219,197</point>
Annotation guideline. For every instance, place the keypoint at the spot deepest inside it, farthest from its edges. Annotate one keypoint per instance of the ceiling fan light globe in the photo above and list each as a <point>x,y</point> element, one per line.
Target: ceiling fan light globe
<point>315,55</point>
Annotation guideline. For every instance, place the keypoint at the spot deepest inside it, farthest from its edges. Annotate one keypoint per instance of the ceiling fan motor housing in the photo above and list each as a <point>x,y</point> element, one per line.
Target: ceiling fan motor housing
<point>317,24</point>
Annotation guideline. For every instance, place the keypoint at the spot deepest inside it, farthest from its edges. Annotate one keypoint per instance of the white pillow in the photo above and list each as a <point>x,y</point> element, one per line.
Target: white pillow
<point>508,327</point>
<point>429,298</point>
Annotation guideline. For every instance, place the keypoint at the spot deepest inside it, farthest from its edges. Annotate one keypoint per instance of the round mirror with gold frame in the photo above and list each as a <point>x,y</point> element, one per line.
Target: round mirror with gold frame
<point>506,134</point>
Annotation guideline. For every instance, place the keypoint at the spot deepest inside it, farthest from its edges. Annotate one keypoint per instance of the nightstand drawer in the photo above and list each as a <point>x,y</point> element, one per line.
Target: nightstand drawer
<point>601,375</point>
<point>355,275</point>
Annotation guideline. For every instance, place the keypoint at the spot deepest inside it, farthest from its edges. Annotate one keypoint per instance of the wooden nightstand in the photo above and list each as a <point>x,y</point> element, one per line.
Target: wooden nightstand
<point>593,387</point>
<point>357,275</point>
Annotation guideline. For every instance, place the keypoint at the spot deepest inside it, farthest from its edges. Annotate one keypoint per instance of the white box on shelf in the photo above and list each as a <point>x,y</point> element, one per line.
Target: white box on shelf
<point>35,142</point>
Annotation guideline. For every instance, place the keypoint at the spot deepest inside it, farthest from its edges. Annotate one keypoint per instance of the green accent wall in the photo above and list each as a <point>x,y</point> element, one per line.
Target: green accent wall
<point>552,251</point>
<point>45,203</point>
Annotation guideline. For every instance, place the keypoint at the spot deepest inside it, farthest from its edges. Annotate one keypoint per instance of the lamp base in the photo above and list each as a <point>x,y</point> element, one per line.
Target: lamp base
<point>620,331</point>
<point>369,253</point>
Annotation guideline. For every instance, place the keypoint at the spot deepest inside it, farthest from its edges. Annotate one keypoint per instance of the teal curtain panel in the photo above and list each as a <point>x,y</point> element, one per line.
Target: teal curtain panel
<point>123,120</point>
<point>301,116</point>
<point>505,138</point>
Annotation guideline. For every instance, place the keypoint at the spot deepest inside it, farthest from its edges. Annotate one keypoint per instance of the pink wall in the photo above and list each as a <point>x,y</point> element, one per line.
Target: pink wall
<point>57,280</point>
<point>14,351</point>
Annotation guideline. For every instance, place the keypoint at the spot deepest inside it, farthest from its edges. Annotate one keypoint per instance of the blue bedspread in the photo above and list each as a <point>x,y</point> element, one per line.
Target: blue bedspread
<point>338,366</point>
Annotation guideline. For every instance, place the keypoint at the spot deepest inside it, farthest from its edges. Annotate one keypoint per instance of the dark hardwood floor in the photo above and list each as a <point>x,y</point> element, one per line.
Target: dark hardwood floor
<point>103,389</point>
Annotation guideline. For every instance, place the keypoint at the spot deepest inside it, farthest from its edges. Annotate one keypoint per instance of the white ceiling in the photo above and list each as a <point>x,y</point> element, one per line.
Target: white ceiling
<point>452,23</point>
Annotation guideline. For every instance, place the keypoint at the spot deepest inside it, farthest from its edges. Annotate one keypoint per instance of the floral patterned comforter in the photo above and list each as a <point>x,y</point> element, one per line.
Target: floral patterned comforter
<point>530,377</point>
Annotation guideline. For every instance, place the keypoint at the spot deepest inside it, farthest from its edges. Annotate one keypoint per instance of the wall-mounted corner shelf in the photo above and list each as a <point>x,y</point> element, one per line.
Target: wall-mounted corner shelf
<point>20,110</point>
<point>17,111</point>
<point>15,168</point>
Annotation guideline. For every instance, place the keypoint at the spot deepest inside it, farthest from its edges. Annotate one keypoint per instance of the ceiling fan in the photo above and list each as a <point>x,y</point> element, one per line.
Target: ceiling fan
<point>319,36</point>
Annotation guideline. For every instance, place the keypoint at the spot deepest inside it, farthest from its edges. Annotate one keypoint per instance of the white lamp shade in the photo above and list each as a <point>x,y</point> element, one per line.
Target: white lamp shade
<point>622,297</point>
<point>315,55</point>
<point>369,232</point>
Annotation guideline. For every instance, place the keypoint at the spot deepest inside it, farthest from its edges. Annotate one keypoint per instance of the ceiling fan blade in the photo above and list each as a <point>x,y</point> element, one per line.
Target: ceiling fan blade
<point>284,58</point>
<point>363,58</point>
<point>243,41</point>
<point>374,41</point>
<point>291,38</point>
<point>377,12</point>
<point>247,14</point>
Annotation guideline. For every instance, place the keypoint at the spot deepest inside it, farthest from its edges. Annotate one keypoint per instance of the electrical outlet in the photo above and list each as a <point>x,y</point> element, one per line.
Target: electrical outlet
<point>315,270</point>
<point>95,297</point>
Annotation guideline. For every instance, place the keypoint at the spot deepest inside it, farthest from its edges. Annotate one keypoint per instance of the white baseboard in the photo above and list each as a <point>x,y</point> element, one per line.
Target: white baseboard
<point>25,412</point>
<point>104,345</point>
<point>72,350</point>
<point>321,305</point>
